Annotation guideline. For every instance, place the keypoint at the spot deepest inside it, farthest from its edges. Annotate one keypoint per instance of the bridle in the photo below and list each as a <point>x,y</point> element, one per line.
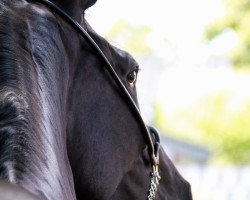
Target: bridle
<point>149,131</point>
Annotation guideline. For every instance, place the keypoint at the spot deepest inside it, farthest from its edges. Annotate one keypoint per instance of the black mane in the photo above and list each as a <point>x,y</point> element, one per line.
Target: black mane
<point>31,102</point>
<point>15,132</point>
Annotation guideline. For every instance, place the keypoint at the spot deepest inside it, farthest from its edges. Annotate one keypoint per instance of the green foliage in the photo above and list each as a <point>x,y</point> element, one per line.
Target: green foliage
<point>131,38</point>
<point>216,121</point>
<point>237,19</point>
<point>227,127</point>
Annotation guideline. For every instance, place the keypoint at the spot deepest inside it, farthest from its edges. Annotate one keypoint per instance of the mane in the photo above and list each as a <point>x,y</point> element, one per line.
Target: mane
<point>14,119</point>
<point>31,111</point>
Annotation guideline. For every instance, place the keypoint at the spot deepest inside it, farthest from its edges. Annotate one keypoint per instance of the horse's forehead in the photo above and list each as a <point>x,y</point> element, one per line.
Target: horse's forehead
<point>124,58</point>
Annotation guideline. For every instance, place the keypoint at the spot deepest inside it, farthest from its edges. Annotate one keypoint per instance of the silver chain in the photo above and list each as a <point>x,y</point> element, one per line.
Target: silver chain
<point>155,178</point>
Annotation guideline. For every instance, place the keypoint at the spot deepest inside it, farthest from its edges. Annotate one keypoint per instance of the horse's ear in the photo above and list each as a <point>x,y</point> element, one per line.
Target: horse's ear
<point>89,3</point>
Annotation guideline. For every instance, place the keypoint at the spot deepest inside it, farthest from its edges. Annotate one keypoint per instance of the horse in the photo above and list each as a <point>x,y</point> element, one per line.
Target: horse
<point>65,130</point>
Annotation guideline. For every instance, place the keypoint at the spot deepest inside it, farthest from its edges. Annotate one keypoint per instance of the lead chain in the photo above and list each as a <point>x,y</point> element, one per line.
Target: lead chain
<point>155,178</point>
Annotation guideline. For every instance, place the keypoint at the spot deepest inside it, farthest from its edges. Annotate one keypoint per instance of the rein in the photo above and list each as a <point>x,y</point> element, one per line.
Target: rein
<point>149,131</point>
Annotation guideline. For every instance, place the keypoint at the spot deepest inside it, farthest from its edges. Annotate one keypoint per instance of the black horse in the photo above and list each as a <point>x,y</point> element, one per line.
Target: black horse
<point>65,130</point>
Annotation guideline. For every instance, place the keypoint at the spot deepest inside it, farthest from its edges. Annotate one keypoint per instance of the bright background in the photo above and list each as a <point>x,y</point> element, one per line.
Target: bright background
<point>193,85</point>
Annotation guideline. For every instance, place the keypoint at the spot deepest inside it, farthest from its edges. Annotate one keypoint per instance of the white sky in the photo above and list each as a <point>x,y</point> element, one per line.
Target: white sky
<point>166,15</point>
<point>180,21</point>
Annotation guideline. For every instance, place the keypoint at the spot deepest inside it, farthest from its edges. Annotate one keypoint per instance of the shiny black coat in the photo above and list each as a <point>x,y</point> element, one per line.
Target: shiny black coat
<point>65,130</point>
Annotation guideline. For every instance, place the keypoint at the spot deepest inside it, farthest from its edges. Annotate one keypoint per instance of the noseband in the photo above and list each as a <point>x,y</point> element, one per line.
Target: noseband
<point>149,131</point>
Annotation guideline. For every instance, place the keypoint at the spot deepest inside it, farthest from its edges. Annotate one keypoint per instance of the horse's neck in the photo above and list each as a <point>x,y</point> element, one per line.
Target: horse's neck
<point>32,129</point>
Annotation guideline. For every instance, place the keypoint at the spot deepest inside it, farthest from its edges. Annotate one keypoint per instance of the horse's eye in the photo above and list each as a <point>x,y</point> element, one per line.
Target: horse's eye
<point>131,77</point>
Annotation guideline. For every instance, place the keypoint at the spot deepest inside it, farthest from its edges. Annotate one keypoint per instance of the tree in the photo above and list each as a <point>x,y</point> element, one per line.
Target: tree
<point>218,121</point>
<point>236,19</point>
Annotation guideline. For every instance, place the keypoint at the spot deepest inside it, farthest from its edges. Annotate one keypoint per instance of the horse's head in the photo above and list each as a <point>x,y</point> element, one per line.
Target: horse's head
<point>104,139</point>
<point>107,151</point>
